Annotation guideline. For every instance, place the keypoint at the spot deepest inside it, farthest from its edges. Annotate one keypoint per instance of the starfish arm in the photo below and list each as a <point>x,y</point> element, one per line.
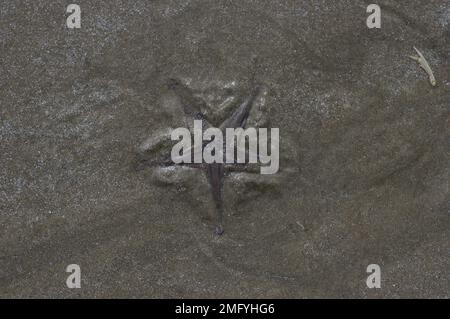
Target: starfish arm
<point>192,106</point>
<point>215,174</point>
<point>223,110</point>
<point>248,168</point>
<point>240,115</point>
<point>192,165</point>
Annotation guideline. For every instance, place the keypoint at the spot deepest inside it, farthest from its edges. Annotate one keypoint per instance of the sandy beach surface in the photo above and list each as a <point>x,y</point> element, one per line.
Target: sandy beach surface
<point>364,150</point>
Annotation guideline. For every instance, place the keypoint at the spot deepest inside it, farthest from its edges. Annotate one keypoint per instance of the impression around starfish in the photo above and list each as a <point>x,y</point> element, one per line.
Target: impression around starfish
<point>193,108</point>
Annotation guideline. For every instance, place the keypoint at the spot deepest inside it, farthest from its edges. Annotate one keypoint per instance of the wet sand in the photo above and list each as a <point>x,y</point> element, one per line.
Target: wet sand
<point>364,150</point>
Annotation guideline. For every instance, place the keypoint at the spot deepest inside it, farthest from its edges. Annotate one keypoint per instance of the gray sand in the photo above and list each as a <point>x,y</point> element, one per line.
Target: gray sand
<point>364,150</point>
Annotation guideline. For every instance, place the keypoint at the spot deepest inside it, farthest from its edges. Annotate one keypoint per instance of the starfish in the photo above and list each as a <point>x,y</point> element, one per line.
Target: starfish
<point>193,109</point>
<point>424,65</point>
